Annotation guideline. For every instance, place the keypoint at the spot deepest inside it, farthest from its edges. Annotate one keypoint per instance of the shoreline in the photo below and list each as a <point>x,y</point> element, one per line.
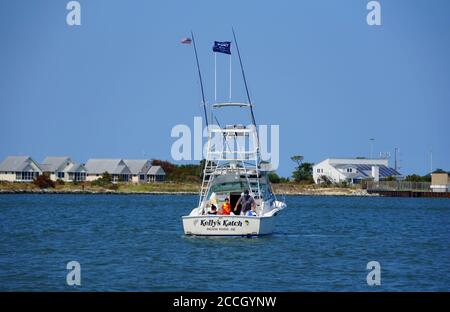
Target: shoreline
<point>302,192</point>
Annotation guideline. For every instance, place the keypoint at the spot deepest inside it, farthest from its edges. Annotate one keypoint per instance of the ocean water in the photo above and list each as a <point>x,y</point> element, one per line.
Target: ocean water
<point>135,243</point>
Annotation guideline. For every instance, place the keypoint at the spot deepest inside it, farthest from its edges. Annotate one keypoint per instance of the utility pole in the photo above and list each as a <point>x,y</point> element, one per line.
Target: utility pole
<point>431,161</point>
<point>395,158</point>
<point>371,146</point>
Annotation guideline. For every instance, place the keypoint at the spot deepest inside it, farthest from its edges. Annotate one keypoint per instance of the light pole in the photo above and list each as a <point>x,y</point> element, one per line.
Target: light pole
<point>431,161</point>
<point>371,146</point>
<point>395,158</point>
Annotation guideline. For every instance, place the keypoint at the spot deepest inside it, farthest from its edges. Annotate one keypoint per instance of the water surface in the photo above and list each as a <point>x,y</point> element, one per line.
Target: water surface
<point>135,243</point>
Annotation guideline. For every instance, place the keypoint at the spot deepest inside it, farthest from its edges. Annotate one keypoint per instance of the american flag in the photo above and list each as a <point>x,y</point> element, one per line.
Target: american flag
<point>186,40</point>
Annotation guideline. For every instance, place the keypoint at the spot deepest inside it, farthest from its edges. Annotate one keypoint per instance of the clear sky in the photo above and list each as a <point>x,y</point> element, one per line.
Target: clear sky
<point>116,85</point>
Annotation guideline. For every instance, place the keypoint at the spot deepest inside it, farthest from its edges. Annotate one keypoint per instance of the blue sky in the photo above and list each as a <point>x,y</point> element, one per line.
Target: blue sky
<point>116,85</point>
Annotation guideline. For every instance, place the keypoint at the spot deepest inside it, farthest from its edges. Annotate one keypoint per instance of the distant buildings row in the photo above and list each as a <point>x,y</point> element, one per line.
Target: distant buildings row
<point>25,169</point>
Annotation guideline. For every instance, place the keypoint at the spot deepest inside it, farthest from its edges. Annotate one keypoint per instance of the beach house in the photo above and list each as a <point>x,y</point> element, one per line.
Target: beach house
<point>139,169</point>
<point>352,170</point>
<point>156,174</point>
<point>19,169</point>
<point>63,168</point>
<point>117,168</point>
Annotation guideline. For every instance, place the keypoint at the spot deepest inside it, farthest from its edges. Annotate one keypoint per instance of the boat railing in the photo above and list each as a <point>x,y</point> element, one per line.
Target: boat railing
<point>230,104</point>
<point>398,186</point>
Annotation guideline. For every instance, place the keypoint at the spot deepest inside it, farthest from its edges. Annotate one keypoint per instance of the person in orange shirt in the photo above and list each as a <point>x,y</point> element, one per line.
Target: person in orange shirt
<point>226,207</point>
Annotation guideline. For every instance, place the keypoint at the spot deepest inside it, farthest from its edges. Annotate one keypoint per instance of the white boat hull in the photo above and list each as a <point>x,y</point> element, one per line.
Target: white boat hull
<point>212,225</point>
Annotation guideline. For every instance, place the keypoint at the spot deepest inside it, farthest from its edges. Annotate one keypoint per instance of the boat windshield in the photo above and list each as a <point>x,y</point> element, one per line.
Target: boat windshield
<point>240,186</point>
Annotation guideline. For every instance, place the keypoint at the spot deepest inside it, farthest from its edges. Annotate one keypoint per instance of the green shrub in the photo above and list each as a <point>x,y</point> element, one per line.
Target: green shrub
<point>273,177</point>
<point>105,180</point>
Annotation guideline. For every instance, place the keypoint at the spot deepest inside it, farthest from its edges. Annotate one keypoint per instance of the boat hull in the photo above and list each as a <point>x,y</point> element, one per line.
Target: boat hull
<point>211,225</point>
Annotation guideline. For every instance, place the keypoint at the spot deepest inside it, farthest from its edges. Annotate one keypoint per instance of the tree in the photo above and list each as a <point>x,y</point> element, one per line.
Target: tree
<point>297,159</point>
<point>304,173</point>
<point>106,177</point>
<point>186,172</point>
<point>167,166</point>
<point>43,181</point>
<point>273,177</point>
<point>418,178</point>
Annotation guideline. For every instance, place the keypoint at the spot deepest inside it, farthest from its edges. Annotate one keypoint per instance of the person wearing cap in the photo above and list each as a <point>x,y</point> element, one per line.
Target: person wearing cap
<point>247,203</point>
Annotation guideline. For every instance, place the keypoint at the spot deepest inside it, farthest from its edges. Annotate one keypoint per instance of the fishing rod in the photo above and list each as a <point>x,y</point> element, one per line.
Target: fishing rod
<point>258,156</point>
<point>200,77</point>
<point>245,80</point>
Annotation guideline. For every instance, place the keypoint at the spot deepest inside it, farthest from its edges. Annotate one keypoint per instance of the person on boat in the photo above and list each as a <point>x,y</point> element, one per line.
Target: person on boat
<point>252,212</point>
<point>213,199</point>
<point>247,203</point>
<point>226,207</point>
<point>213,210</point>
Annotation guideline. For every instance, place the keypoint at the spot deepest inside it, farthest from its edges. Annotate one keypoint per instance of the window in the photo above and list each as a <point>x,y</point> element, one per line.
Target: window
<point>142,177</point>
<point>61,175</point>
<point>26,176</point>
<point>349,170</point>
<point>79,176</point>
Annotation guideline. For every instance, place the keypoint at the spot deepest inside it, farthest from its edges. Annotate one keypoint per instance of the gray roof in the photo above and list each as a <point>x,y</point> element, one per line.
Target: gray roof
<point>138,166</point>
<point>45,168</point>
<point>52,164</point>
<point>156,170</point>
<point>76,168</point>
<point>18,163</point>
<point>112,166</point>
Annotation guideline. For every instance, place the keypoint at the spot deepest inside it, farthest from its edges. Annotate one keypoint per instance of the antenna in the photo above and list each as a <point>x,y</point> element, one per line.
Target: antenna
<point>200,77</point>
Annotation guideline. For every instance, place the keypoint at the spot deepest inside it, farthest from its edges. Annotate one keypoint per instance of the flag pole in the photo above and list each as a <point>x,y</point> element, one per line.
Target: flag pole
<point>200,77</point>
<point>230,79</point>
<point>215,77</point>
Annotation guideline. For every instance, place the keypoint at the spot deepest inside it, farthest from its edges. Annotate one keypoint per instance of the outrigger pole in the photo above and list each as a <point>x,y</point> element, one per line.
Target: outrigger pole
<point>245,80</point>
<point>200,77</point>
<point>253,115</point>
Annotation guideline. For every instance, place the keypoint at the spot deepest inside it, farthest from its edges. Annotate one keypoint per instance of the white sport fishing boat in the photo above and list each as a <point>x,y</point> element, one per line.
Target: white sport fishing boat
<point>231,168</point>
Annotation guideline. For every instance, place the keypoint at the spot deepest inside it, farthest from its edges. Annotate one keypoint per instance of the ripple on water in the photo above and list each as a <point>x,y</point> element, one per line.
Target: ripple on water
<point>136,243</point>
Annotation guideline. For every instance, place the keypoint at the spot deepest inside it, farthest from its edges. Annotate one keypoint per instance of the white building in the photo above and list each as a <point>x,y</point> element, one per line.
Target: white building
<point>156,174</point>
<point>19,169</point>
<point>139,169</point>
<point>352,170</point>
<point>63,168</point>
<point>25,169</point>
<point>117,168</point>
<point>124,170</point>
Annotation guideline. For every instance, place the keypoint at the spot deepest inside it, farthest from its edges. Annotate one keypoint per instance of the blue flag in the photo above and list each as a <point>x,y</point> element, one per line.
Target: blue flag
<point>222,47</point>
